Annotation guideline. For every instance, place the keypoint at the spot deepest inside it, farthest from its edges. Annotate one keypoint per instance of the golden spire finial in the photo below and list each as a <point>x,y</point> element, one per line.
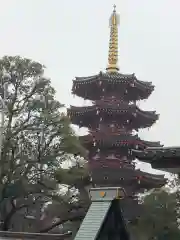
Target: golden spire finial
<point>113,42</point>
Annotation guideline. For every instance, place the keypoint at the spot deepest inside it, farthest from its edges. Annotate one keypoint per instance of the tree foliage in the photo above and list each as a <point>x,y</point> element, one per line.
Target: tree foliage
<point>159,218</point>
<point>36,138</point>
<point>75,204</point>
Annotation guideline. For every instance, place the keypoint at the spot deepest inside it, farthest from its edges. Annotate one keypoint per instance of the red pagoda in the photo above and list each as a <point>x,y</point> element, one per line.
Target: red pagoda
<point>113,120</point>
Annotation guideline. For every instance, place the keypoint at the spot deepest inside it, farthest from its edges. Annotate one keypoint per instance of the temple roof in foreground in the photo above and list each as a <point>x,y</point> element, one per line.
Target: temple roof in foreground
<point>161,158</point>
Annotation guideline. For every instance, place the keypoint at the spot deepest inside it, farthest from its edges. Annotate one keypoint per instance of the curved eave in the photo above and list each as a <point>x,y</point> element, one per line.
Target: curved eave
<point>80,83</point>
<point>117,141</point>
<point>144,85</point>
<point>151,180</point>
<point>114,108</point>
<point>149,176</point>
<point>150,183</point>
<point>152,144</point>
<point>106,76</point>
<point>170,169</point>
<point>77,114</point>
<point>116,173</point>
<point>117,77</point>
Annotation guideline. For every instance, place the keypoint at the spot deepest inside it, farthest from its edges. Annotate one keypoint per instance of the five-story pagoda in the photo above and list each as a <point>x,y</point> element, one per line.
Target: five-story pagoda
<point>113,120</point>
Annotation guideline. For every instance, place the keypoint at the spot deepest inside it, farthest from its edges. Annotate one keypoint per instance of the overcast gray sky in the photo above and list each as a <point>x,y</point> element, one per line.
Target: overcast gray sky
<point>71,39</point>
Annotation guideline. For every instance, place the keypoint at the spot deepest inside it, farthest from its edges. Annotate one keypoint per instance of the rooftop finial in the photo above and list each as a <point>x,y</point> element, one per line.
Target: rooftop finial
<point>114,6</point>
<point>113,42</point>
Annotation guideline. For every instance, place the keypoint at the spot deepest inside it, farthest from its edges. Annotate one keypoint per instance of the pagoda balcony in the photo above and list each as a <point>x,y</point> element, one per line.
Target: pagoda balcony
<point>105,141</point>
<point>94,87</point>
<point>123,114</point>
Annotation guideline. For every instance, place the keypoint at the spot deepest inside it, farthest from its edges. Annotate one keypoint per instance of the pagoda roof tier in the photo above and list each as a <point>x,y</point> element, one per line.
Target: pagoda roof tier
<point>128,114</point>
<point>103,140</point>
<point>125,177</point>
<point>96,86</point>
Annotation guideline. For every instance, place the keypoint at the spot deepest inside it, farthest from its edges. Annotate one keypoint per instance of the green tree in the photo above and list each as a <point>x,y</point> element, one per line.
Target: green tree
<point>70,212</point>
<point>159,217</point>
<point>35,138</point>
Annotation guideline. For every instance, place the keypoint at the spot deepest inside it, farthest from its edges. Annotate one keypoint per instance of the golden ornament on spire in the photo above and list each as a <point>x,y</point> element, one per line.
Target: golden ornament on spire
<point>113,42</point>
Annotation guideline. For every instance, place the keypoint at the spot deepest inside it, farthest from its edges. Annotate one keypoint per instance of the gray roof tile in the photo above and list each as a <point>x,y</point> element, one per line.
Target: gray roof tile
<point>93,221</point>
